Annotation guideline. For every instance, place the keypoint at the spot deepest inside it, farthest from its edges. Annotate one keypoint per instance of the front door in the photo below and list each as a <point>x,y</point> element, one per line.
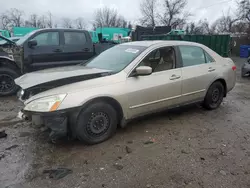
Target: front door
<point>47,53</point>
<point>199,69</point>
<point>159,90</point>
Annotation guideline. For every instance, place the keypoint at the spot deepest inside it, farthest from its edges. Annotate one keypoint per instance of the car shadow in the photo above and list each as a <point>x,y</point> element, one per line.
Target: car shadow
<point>166,116</point>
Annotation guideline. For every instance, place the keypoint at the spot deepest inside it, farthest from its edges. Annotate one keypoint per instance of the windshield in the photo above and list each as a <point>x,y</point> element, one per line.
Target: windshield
<point>23,39</point>
<point>116,58</point>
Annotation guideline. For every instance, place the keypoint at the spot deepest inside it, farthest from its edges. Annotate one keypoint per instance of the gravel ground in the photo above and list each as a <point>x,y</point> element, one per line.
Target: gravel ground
<point>186,147</point>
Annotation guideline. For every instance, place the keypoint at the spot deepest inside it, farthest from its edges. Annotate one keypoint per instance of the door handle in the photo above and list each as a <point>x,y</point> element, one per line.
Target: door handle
<point>211,69</point>
<point>57,50</point>
<point>85,49</point>
<point>175,77</point>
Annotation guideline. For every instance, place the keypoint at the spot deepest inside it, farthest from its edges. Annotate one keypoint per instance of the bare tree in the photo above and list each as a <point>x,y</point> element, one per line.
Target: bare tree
<point>67,23</point>
<point>42,22</point>
<point>15,17</point>
<point>49,20</point>
<point>149,12</point>
<point>206,28</point>
<point>32,21</point>
<point>107,17</point>
<point>173,13</point>
<point>202,27</point>
<point>130,25</point>
<point>192,28</point>
<point>225,23</point>
<point>122,22</point>
<point>4,21</point>
<point>244,9</point>
<point>240,27</point>
<point>80,23</point>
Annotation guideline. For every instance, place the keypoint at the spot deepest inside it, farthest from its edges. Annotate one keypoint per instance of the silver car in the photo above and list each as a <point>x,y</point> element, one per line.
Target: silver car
<point>89,101</point>
<point>245,70</point>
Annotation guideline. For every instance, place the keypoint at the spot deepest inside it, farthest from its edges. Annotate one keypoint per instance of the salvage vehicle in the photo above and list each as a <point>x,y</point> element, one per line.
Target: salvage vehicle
<point>245,70</point>
<point>44,48</point>
<point>133,79</point>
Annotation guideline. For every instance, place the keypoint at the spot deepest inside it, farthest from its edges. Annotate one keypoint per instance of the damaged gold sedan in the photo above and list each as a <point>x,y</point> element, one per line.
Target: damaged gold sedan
<point>89,101</point>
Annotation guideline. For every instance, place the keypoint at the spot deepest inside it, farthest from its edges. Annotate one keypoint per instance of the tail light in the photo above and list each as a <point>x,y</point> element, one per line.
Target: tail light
<point>234,68</point>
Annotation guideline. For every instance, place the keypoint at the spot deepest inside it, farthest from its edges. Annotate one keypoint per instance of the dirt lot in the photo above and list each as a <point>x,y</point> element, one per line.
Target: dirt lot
<point>189,147</point>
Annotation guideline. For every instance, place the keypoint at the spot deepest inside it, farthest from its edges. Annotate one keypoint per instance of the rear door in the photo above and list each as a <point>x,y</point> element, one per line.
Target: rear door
<point>77,46</point>
<point>48,51</point>
<point>199,69</point>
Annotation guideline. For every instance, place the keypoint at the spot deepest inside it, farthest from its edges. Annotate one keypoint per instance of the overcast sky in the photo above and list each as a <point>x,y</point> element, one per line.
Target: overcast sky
<point>201,9</point>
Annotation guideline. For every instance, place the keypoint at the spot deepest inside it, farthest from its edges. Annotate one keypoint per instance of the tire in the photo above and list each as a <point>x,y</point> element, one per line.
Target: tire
<point>7,77</point>
<point>96,123</point>
<point>214,96</point>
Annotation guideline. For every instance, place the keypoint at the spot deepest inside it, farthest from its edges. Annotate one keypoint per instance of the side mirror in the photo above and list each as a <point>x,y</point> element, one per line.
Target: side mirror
<point>32,43</point>
<point>143,71</point>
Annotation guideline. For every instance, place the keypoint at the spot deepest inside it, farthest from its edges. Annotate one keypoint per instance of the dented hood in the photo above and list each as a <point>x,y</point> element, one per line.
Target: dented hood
<point>6,39</point>
<point>58,74</point>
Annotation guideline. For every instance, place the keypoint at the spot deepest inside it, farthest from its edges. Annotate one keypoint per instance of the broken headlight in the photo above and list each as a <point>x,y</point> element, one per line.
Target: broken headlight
<point>45,104</point>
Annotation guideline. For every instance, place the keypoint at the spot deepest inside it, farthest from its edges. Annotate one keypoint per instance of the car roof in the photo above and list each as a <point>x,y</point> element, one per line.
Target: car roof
<point>58,29</point>
<point>161,42</point>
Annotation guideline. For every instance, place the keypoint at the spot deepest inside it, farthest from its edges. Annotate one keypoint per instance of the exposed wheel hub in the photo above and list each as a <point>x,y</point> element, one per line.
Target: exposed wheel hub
<point>98,124</point>
<point>215,95</point>
<point>6,83</point>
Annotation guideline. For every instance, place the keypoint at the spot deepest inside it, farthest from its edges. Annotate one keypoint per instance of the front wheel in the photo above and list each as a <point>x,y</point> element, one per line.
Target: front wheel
<point>7,83</point>
<point>96,123</point>
<point>214,97</point>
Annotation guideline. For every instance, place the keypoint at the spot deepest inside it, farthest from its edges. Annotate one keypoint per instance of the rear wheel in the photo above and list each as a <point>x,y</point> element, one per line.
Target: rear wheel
<point>214,96</point>
<point>96,123</point>
<point>7,83</point>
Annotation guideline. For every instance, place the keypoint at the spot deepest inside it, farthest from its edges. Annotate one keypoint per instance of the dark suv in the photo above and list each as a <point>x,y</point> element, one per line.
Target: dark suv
<point>43,49</point>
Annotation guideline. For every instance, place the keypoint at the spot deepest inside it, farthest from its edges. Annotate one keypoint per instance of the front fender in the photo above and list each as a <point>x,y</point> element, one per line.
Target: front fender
<point>79,99</point>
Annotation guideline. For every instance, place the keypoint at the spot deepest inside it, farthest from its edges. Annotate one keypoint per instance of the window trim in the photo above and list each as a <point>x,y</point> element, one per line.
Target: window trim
<point>86,38</point>
<point>205,52</point>
<point>40,33</point>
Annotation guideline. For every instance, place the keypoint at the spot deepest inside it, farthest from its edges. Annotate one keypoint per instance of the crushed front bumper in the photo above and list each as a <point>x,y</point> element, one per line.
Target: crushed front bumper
<point>60,123</point>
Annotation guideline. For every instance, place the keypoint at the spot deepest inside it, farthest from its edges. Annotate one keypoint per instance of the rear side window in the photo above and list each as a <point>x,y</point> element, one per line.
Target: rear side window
<point>74,38</point>
<point>192,55</point>
<point>209,59</point>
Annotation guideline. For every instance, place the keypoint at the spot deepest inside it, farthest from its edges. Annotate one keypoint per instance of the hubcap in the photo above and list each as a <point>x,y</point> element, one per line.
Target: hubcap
<point>215,95</point>
<point>6,83</point>
<point>98,124</point>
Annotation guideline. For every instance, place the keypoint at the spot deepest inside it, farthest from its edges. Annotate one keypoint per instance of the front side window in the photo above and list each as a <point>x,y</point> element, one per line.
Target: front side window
<point>74,38</point>
<point>116,58</point>
<point>161,59</point>
<point>47,39</point>
<point>192,55</point>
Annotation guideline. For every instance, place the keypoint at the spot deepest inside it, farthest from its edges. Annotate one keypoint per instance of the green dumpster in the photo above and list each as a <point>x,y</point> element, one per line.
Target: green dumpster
<point>218,43</point>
